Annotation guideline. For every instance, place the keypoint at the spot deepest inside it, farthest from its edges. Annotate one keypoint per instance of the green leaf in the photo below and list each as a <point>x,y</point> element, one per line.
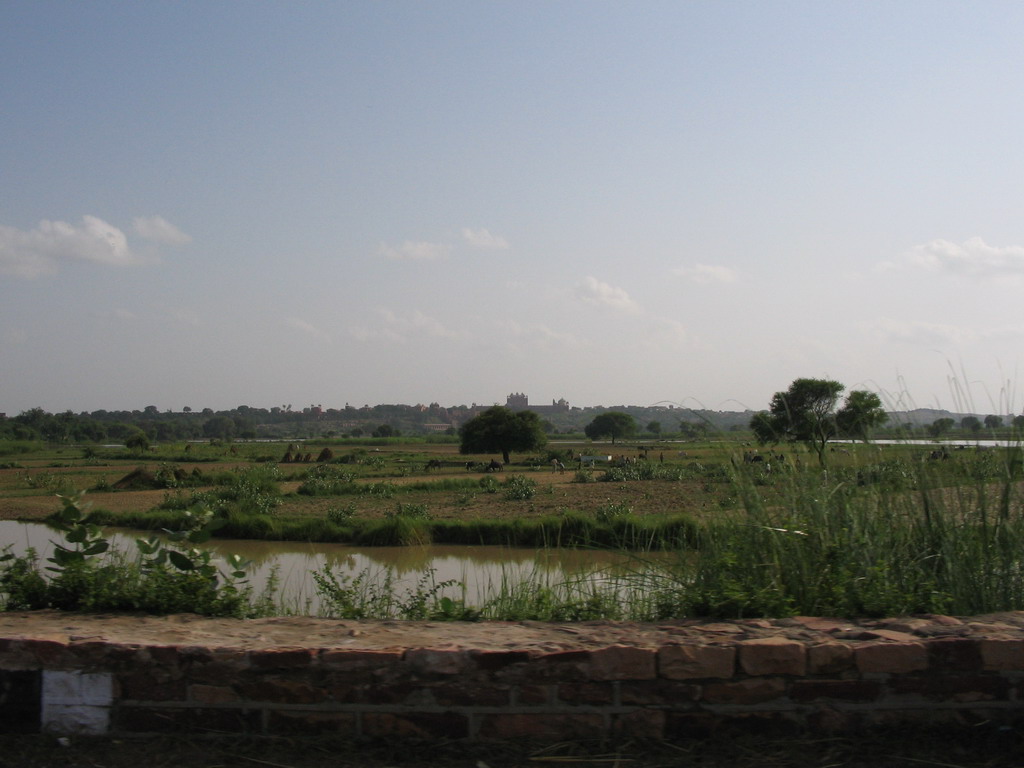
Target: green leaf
<point>180,561</point>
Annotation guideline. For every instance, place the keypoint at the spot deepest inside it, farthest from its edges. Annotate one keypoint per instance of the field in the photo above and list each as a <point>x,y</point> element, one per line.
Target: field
<point>450,492</point>
<point>880,530</point>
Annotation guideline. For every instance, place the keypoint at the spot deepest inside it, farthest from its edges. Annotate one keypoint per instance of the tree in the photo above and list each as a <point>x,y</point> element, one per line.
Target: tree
<point>861,413</point>
<point>993,422</point>
<point>940,427</point>
<point>803,413</point>
<point>970,424</point>
<point>613,424</point>
<point>654,427</point>
<point>501,429</point>
<point>137,442</point>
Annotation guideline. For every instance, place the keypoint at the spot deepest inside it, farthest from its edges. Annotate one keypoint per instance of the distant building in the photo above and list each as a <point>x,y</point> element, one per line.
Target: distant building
<point>517,401</point>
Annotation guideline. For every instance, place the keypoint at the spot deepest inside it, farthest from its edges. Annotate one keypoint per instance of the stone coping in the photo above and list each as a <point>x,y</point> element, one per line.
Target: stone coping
<point>540,637</point>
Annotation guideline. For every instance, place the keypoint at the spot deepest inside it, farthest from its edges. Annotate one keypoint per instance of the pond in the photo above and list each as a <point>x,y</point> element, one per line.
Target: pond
<point>480,571</point>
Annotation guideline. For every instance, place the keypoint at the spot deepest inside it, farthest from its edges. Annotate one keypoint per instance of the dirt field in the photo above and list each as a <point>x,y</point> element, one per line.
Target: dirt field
<point>556,491</point>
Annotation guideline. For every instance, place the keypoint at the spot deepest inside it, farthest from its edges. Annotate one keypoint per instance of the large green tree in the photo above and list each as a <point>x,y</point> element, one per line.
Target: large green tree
<point>861,413</point>
<point>501,429</point>
<point>803,413</point>
<point>613,424</point>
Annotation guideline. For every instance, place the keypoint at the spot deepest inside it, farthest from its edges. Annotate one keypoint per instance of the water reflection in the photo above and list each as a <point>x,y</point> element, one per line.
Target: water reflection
<point>481,569</point>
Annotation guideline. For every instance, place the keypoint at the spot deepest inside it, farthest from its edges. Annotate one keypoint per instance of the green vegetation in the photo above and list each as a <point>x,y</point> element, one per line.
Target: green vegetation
<point>884,530</point>
<point>500,430</point>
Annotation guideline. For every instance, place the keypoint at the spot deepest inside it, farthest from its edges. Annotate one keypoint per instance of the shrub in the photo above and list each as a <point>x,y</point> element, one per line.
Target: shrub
<point>520,488</point>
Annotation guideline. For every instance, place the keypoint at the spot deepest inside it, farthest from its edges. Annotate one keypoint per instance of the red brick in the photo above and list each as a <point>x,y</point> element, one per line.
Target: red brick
<point>359,660</point>
<point>844,690</point>
<point>281,658</point>
<point>772,656</point>
<point>643,724</point>
<point>156,720</point>
<point>98,654</point>
<point>280,690</point>
<point>658,693</point>
<point>891,658</point>
<point>577,694</point>
<point>694,662</point>
<point>1002,654</point>
<point>543,726</point>
<point>212,694</point>
<point>419,725</point>
<point>490,661</point>
<point>829,658</point>
<point>960,688</point>
<point>151,685</point>
<point>430,661</point>
<point>755,690</point>
<point>466,693</point>
<point>954,653</point>
<point>312,723</point>
<point>48,653</point>
<point>532,694</point>
<point>623,662</point>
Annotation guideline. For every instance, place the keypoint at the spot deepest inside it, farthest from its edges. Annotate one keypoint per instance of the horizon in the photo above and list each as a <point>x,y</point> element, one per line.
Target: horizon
<point>690,203</point>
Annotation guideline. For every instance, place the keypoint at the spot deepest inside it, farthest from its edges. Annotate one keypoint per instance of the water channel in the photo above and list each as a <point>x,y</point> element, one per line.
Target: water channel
<point>480,570</point>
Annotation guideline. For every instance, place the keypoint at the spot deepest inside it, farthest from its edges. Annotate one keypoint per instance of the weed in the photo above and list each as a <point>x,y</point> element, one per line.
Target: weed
<point>520,488</point>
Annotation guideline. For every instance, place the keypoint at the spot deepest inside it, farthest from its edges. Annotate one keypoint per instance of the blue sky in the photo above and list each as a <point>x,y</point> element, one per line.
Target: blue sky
<point>210,204</point>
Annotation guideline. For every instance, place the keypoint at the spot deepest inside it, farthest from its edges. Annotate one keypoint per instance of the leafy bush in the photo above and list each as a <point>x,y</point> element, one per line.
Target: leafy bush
<point>520,488</point>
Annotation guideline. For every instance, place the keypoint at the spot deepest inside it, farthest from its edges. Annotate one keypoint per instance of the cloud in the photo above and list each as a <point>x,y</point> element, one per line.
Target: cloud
<point>972,258</point>
<point>706,273</point>
<point>42,250</point>
<point>538,336</point>
<point>593,291</point>
<point>158,229</point>
<point>307,328</point>
<point>416,251</point>
<point>482,238</point>
<point>921,333</point>
<point>400,329</point>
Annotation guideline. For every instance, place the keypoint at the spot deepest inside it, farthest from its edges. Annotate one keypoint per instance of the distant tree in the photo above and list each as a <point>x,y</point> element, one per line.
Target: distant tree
<point>137,442</point>
<point>357,432</point>
<point>613,424</point>
<point>939,427</point>
<point>1018,422</point>
<point>970,424</point>
<point>219,427</point>
<point>504,430</point>
<point>993,422</point>
<point>861,413</point>
<point>654,427</point>
<point>804,413</point>
<point>385,430</point>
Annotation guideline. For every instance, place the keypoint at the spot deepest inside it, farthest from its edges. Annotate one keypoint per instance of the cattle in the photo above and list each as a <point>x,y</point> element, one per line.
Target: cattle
<point>495,466</point>
<point>433,464</point>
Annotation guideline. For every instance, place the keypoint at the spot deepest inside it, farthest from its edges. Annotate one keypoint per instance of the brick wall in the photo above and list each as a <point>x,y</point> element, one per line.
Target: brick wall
<point>502,681</point>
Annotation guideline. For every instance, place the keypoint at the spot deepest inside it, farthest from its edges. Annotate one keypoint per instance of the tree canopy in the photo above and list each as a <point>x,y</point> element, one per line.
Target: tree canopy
<point>613,424</point>
<point>861,413</point>
<point>803,413</point>
<point>501,429</point>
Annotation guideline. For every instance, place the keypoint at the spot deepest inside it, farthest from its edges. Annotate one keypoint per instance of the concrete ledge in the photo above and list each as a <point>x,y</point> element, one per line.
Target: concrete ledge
<point>70,673</point>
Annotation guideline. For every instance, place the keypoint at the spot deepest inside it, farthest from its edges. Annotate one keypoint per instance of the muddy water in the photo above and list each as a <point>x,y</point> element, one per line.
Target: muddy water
<point>481,570</point>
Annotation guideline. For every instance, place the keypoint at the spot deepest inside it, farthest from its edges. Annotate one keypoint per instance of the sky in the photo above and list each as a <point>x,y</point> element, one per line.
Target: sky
<point>213,204</point>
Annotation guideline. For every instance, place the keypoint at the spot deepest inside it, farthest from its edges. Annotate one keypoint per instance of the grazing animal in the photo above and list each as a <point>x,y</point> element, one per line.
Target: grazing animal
<point>470,466</point>
<point>433,464</point>
<point>495,466</point>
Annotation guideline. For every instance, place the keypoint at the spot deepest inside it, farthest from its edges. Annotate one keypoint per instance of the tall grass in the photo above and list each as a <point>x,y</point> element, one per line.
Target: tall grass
<point>823,547</point>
